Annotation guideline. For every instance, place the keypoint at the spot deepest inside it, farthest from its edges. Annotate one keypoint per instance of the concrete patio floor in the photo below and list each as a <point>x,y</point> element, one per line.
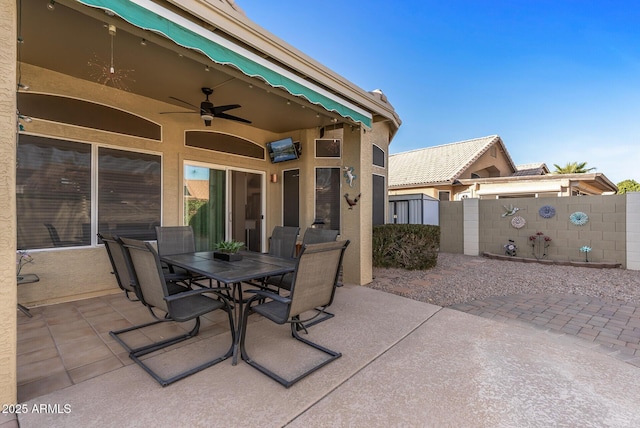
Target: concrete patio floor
<point>404,363</point>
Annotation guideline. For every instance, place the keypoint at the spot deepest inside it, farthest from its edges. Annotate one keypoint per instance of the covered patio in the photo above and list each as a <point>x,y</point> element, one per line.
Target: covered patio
<point>129,114</point>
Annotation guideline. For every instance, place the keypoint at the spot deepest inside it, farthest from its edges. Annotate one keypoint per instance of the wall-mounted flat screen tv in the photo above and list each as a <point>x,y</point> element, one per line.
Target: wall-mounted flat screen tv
<point>282,150</point>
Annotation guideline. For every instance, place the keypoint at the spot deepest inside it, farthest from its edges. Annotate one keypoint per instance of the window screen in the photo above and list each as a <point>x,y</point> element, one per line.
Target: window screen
<point>328,197</point>
<point>129,193</point>
<point>378,199</point>
<point>53,193</point>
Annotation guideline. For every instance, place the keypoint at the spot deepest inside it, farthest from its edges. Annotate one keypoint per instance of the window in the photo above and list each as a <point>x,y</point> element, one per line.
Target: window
<point>378,199</point>
<point>53,193</point>
<point>55,199</point>
<point>328,197</point>
<point>129,193</point>
<point>328,148</point>
<point>378,156</point>
<point>444,196</point>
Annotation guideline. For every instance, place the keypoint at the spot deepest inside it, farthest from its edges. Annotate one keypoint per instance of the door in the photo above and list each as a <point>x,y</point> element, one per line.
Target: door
<point>222,204</point>
<point>246,209</point>
<point>205,204</point>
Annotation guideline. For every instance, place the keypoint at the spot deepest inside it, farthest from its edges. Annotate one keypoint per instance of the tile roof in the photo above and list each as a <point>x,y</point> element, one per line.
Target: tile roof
<point>538,168</point>
<point>439,164</point>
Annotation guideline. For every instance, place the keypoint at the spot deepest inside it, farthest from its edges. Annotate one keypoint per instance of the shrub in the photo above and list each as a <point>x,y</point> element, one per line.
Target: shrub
<point>407,246</point>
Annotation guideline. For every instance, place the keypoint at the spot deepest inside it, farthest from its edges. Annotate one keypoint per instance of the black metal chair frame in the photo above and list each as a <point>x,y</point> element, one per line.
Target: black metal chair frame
<point>278,310</point>
<point>113,244</point>
<point>171,301</point>
<point>311,236</point>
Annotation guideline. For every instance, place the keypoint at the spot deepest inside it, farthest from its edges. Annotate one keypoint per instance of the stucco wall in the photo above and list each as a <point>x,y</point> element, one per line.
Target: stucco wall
<point>451,231</point>
<point>605,232</point>
<point>86,271</point>
<point>8,317</point>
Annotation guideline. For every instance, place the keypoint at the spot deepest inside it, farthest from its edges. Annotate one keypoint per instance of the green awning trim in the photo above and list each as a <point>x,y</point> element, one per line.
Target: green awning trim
<point>141,14</point>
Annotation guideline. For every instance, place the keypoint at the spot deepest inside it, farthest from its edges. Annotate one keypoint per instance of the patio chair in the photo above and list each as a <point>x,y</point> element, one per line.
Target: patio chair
<point>311,236</point>
<point>176,240</point>
<point>313,286</point>
<point>119,265</point>
<point>55,238</point>
<point>181,307</point>
<point>282,242</point>
<point>122,269</point>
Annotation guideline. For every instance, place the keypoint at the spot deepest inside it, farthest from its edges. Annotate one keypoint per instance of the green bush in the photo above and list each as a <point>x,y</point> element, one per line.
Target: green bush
<point>407,246</point>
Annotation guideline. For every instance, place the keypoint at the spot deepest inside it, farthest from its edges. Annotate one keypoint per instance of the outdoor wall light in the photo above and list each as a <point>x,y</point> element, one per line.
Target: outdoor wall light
<point>274,178</point>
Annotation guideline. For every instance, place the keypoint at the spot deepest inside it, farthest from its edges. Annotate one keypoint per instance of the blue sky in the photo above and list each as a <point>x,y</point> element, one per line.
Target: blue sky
<point>558,80</point>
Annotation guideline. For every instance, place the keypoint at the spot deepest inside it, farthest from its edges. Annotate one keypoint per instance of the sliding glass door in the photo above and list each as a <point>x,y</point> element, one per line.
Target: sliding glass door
<point>222,204</point>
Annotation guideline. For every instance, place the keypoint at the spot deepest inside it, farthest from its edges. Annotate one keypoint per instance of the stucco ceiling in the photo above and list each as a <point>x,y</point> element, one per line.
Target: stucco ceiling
<point>75,40</point>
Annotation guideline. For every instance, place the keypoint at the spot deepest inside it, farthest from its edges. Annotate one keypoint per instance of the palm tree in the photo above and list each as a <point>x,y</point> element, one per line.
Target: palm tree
<point>572,168</point>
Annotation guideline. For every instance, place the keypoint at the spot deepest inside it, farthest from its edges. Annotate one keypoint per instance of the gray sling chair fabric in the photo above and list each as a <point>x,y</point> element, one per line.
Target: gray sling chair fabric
<point>311,236</point>
<point>313,286</point>
<point>282,242</point>
<point>177,240</point>
<point>122,269</point>
<point>187,305</point>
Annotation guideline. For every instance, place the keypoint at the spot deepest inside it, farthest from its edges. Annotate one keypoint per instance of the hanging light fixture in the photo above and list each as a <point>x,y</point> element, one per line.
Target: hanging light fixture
<point>51,5</point>
<point>112,33</point>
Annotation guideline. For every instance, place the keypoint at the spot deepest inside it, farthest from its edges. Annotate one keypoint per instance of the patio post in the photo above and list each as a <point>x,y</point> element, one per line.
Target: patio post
<point>8,287</point>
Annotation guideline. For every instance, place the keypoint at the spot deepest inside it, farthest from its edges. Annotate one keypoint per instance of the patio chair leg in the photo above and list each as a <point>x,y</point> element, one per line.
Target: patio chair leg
<point>25,310</point>
<point>167,381</point>
<point>333,355</point>
<point>156,345</point>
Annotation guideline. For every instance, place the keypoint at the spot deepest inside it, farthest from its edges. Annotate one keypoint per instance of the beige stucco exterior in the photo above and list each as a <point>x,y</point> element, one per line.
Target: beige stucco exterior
<point>8,394</point>
<point>88,268</point>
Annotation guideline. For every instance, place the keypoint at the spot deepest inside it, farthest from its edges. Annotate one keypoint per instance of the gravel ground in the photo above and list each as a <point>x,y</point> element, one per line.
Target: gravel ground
<point>458,278</point>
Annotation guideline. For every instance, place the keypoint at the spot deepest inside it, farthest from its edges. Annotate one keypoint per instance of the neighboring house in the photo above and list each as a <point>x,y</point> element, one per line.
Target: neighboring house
<point>482,168</point>
<point>114,123</point>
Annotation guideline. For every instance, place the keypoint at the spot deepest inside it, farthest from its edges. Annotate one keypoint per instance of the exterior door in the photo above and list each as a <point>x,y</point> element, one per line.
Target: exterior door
<point>246,209</point>
<point>222,204</point>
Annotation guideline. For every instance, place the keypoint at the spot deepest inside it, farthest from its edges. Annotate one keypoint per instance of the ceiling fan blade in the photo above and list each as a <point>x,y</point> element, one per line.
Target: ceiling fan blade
<point>219,109</point>
<point>172,112</point>
<point>230,117</point>
<point>185,102</point>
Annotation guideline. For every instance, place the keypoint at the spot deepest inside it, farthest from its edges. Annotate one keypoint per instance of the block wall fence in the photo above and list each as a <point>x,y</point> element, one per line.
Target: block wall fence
<point>476,226</point>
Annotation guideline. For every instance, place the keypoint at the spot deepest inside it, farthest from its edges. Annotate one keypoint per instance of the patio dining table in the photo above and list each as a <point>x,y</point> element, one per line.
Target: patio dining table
<point>251,268</point>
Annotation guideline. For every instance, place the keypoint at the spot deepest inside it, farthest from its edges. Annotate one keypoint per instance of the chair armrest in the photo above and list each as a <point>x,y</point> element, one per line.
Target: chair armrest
<point>270,295</point>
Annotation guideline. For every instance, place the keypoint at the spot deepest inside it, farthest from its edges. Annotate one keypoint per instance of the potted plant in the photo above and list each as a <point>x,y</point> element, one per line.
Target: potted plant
<point>228,250</point>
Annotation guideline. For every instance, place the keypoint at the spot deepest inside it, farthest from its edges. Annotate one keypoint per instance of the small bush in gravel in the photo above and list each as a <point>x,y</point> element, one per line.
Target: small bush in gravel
<point>407,246</point>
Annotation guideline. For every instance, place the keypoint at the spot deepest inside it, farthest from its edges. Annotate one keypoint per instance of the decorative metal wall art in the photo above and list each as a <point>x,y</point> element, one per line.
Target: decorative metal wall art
<point>579,218</point>
<point>349,175</point>
<point>547,211</point>
<point>518,222</point>
<point>510,210</point>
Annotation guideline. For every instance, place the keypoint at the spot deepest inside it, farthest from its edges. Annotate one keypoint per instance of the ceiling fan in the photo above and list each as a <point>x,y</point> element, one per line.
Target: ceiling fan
<point>208,111</point>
